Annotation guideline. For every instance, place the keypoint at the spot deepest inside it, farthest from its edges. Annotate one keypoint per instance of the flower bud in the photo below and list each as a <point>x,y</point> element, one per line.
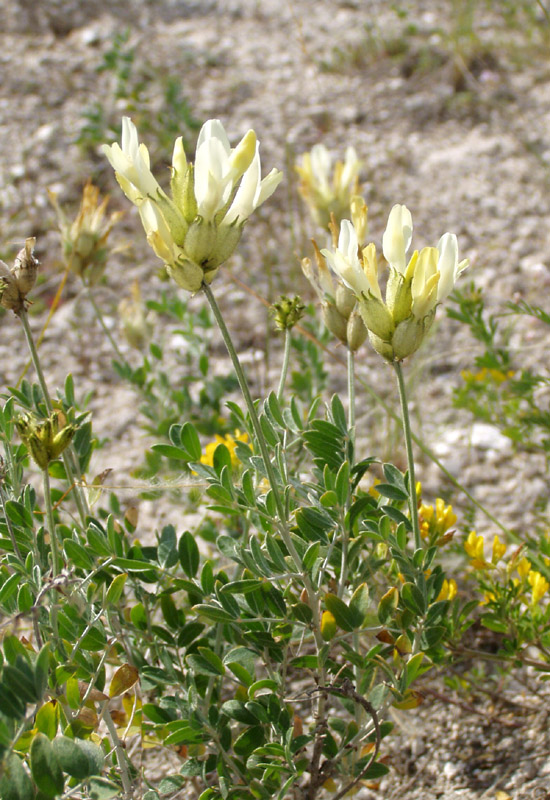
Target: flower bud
<point>46,439</point>
<point>356,332</point>
<point>345,300</point>
<point>335,322</point>
<point>287,312</point>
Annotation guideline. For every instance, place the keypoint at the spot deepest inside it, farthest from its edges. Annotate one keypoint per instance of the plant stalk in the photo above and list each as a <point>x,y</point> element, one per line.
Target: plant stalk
<point>351,393</point>
<point>69,456</point>
<point>284,367</point>
<point>283,527</point>
<point>106,331</point>
<point>410,457</point>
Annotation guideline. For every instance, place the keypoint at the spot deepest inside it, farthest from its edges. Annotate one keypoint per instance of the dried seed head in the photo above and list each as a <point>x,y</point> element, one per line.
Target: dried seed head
<point>16,283</point>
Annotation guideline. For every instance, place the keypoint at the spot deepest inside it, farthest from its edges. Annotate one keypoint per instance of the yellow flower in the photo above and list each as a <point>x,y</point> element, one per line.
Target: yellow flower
<point>229,441</point>
<point>499,548</point>
<point>436,521</point>
<point>538,584</point>
<point>448,590</point>
<point>474,545</point>
<point>523,568</point>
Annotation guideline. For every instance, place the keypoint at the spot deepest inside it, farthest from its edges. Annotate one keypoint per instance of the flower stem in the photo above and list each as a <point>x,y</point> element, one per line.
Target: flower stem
<point>410,458</point>
<point>106,331</point>
<point>284,367</point>
<point>351,392</point>
<point>51,523</point>
<point>279,505</point>
<point>69,456</point>
<point>248,400</point>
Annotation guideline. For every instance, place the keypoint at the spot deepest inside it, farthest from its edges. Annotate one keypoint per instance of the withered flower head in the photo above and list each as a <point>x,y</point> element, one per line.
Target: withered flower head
<point>16,283</point>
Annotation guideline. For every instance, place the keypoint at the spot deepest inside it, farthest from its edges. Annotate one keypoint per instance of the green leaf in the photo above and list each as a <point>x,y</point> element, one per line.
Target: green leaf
<point>387,605</point>
<point>72,758</point>
<point>77,554</point>
<point>102,789</point>
<point>345,619</point>
<point>9,587</point>
<point>360,603</point>
<point>202,666</point>
<point>391,491</point>
<point>116,588</point>
<point>395,477</point>
<point>15,783</point>
<point>213,659</point>
<point>215,613</point>
<point>342,485</point>
<point>275,409</point>
<point>18,514</point>
<point>412,598</point>
<point>45,769</point>
<point>338,413</point>
<point>181,732</point>
<point>311,554</point>
<point>493,624</point>
<point>249,740</point>
<point>169,451</point>
<point>167,551</point>
<point>47,719</point>
<point>189,554</point>
<point>25,598</point>
<point>41,669</point>
<point>329,499</point>
<point>264,683</point>
<point>234,709</point>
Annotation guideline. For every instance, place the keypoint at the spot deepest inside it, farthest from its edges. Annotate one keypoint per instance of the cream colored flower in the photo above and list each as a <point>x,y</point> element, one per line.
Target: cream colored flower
<point>199,227</point>
<point>327,191</point>
<point>398,323</point>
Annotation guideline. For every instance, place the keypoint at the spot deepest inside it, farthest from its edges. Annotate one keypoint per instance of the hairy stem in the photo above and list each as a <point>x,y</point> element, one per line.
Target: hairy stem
<point>410,458</point>
<point>284,367</point>
<point>69,456</point>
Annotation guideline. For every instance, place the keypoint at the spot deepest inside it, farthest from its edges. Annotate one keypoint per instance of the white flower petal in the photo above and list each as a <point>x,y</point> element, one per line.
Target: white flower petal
<point>397,237</point>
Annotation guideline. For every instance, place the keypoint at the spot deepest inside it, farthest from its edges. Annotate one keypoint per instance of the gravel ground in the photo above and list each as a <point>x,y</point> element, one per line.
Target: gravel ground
<point>454,125</point>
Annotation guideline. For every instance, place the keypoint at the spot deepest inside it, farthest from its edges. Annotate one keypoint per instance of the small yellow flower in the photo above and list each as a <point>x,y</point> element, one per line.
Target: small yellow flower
<point>448,590</point>
<point>436,521</point>
<point>229,441</point>
<point>523,568</point>
<point>474,545</point>
<point>538,584</point>
<point>499,548</point>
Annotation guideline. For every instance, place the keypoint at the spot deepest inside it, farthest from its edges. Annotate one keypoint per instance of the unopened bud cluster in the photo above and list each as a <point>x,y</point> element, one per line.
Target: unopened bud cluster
<point>85,239</point>
<point>196,229</point>
<point>16,283</point>
<point>287,312</point>
<point>45,439</point>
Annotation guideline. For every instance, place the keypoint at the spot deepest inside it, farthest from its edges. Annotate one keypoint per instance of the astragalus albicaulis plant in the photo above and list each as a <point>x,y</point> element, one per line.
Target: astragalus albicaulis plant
<point>265,645</point>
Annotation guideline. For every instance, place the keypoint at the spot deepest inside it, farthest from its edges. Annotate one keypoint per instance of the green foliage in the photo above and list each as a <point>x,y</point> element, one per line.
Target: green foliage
<point>133,83</point>
<point>500,391</point>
